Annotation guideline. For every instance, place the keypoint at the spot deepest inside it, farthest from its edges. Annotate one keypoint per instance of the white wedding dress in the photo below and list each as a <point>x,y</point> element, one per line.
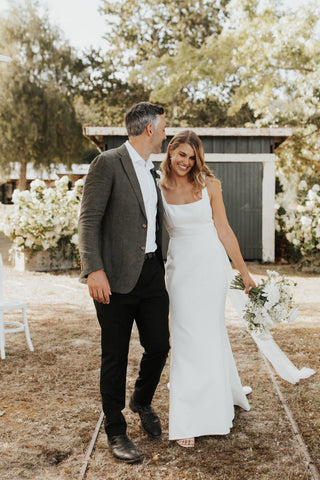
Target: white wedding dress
<point>204,381</point>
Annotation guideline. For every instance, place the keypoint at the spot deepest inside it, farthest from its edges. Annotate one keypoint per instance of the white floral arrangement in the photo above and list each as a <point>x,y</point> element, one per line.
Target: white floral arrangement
<point>269,303</point>
<point>300,219</point>
<point>45,218</point>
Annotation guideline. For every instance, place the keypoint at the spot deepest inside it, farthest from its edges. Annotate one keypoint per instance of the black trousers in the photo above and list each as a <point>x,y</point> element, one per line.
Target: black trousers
<point>148,305</point>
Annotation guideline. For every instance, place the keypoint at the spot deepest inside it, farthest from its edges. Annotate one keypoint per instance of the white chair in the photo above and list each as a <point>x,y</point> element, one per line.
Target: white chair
<point>14,326</point>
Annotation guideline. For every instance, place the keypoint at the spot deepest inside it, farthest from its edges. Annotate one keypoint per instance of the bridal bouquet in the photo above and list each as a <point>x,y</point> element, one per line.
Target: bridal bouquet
<point>269,304</point>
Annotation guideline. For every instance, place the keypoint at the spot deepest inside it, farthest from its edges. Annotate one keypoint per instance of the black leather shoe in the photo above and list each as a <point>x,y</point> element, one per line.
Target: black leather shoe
<point>122,448</point>
<point>149,419</point>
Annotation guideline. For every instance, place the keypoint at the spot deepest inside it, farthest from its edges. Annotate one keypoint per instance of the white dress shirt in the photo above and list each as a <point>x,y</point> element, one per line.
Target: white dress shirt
<point>149,193</point>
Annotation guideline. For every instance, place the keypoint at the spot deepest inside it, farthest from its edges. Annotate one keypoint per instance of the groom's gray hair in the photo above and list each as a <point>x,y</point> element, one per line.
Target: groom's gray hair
<point>141,115</point>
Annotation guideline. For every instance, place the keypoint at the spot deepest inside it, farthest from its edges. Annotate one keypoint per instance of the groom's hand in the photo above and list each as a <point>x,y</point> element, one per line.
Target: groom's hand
<point>99,287</point>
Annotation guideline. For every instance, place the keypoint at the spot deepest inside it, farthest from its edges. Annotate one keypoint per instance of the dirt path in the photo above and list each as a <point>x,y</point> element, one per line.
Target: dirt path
<point>49,399</point>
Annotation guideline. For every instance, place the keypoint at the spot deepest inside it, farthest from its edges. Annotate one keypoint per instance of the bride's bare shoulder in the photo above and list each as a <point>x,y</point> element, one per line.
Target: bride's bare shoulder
<point>213,184</point>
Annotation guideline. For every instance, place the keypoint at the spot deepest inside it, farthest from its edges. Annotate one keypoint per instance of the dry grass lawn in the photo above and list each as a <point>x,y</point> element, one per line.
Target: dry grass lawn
<point>50,403</point>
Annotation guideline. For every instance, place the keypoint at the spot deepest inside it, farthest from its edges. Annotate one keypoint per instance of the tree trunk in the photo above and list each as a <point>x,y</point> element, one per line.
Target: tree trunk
<point>22,183</point>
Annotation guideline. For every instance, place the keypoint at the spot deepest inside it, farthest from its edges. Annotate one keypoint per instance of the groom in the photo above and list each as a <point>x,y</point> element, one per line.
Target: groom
<point>120,247</point>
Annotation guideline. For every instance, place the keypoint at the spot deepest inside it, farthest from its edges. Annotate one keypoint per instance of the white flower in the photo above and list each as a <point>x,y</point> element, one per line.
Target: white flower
<point>75,239</point>
<point>305,221</point>
<point>302,185</point>
<point>62,182</point>
<point>301,208</point>
<point>49,194</point>
<point>312,195</point>
<point>316,187</point>
<point>29,242</point>
<point>272,274</point>
<point>310,204</point>
<point>25,195</point>
<point>272,293</point>
<point>46,244</point>
<point>7,230</point>
<point>316,231</point>
<point>19,240</point>
<point>37,185</point>
<point>15,195</point>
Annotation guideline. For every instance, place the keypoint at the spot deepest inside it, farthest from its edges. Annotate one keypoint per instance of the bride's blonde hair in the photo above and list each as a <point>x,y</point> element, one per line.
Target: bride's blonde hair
<point>199,170</point>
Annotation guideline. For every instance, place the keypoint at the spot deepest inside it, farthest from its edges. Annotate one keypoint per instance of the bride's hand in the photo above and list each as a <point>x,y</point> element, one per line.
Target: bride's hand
<point>248,282</point>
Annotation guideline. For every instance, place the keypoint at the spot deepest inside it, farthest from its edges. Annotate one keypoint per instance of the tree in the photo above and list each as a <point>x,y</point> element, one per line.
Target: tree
<point>279,75</point>
<point>154,28</point>
<point>38,122</point>
<point>140,35</point>
<point>102,95</point>
<point>265,59</point>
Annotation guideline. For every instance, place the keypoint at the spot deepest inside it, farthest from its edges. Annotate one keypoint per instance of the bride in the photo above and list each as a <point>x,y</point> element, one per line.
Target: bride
<point>204,381</point>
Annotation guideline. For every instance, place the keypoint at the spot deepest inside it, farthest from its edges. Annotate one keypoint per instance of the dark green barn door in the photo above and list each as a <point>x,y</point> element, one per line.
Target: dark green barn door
<point>242,194</point>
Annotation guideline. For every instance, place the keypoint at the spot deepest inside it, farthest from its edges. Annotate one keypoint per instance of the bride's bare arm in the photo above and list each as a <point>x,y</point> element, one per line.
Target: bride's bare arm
<point>225,232</point>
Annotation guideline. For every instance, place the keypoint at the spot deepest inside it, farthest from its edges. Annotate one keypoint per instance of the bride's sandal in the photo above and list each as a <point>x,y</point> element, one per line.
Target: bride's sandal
<point>186,442</point>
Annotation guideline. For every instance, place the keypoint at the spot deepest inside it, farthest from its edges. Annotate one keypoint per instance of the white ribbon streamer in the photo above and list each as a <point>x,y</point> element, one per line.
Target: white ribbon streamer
<point>280,362</point>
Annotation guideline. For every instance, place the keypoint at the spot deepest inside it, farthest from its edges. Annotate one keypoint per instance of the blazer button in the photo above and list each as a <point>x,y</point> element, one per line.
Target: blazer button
<point>143,248</point>
<point>144,225</point>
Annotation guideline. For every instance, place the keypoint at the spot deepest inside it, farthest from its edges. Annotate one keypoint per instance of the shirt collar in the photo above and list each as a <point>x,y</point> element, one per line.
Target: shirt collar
<point>137,159</point>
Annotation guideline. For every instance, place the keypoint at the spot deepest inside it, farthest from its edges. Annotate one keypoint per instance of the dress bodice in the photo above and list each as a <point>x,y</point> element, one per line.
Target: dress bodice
<point>190,218</point>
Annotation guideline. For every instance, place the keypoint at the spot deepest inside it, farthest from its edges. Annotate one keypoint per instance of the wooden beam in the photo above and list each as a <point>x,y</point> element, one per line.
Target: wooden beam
<point>89,130</point>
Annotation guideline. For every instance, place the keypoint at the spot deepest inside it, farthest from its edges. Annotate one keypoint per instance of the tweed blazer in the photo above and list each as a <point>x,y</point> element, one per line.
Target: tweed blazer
<point>113,221</point>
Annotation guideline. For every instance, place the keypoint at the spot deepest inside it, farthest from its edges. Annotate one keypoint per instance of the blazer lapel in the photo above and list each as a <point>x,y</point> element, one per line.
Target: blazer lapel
<point>160,204</point>
<point>131,174</point>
